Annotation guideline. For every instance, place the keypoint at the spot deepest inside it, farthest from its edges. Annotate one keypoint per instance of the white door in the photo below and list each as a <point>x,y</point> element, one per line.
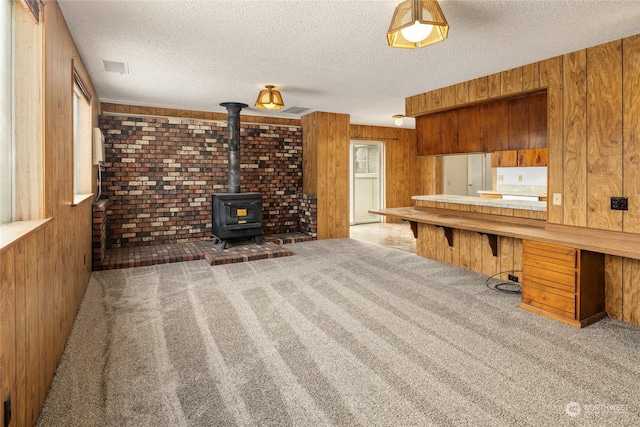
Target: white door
<point>466,174</point>
<point>366,181</point>
<point>475,174</point>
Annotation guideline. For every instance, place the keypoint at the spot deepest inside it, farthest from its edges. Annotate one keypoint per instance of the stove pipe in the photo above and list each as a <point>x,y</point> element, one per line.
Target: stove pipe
<point>233,126</point>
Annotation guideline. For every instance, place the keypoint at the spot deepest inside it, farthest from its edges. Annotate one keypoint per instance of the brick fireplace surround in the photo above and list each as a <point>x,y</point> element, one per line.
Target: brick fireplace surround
<point>160,173</point>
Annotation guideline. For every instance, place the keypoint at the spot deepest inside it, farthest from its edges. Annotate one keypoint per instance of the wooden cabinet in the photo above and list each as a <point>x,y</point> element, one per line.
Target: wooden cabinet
<point>563,283</point>
<point>537,105</point>
<point>449,132</point>
<point>518,123</point>
<point>528,122</point>
<point>515,124</point>
<point>428,135</point>
<point>513,158</point>
<point>533,157</point>
<point>469,130</point>
<point>494,130</point>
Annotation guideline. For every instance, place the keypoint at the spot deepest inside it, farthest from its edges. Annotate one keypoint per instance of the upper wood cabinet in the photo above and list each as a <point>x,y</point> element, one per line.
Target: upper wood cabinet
<point>469,130</point>
<point>514,124</point>
<point>537,120</point>
<point>518,123</point>
<point>528,122</point>
<point>428,134</point>
<point>513,158</point>
<point>449,132</point>
<point>494,130</point>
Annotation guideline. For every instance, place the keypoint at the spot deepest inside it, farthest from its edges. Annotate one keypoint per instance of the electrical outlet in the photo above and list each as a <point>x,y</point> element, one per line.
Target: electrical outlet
<point>619,204</point>
<point>520,178</point>
<point>513,278</point>
<point>500,177</point>
<point>557,199</point>
<point>7,410</point>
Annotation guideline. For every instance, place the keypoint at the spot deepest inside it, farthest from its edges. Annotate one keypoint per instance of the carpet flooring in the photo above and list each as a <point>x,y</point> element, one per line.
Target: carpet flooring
<point>343,333</point>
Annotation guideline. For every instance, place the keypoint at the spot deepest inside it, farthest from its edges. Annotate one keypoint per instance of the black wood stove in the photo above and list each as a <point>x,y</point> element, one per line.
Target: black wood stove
<point>235,215</point>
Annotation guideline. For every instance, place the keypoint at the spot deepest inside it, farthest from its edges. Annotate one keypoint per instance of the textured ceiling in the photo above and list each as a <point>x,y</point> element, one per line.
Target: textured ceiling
<point>324,55</point>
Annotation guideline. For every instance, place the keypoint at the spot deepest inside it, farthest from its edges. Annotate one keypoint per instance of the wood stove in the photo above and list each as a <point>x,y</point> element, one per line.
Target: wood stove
<point>235,215</point>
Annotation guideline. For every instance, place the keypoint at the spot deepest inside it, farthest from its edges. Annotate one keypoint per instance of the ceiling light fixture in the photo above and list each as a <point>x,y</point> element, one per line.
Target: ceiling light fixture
<point>269,99</point>
<point>398,119</point>
<point>417,23</point>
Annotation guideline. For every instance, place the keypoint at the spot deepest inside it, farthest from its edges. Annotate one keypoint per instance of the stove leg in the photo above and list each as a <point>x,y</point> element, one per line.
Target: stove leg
<point>216,241</point>
<point>224,244</point>
<point>257,239</point>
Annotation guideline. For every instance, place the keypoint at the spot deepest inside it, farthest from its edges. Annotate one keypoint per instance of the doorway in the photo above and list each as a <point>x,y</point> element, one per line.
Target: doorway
<point>366,181</point>
<point>466,174</point>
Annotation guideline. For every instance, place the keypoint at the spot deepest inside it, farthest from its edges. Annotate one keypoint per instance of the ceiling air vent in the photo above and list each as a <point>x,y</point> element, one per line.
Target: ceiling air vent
<point>295,110</point>
<point>116,67</point>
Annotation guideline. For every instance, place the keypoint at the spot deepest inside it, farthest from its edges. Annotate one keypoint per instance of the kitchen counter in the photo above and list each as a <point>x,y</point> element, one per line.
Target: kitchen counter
<point>478,201</point>
<point>510,193</point>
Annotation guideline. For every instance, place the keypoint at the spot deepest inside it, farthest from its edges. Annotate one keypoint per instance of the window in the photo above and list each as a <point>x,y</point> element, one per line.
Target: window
<point>6,113</point>
<point>82,140</point>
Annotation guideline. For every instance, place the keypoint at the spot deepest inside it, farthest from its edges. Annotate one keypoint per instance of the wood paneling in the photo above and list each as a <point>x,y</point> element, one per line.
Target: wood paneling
<point>511,81</point>
<point>631,291</point>
<point>449,95</point>
<point>631,132</point>
<point>531,76</point>
<point>478,89</point>
<point>575,137</point>
<point>7,326</point>
<point>551,78</point>
<point>327,135</point>
<point>43,274</point>
<point>604,134</point>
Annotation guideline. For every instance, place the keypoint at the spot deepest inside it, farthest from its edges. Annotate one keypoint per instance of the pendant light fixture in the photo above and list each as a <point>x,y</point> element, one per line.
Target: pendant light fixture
<point>269,99</point>
<point>398,119</point>
<point>417,23</point>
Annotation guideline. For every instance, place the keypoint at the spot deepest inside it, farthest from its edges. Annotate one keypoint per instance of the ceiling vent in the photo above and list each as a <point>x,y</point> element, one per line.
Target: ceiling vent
<point>116,67</point>
<point>295,110</point>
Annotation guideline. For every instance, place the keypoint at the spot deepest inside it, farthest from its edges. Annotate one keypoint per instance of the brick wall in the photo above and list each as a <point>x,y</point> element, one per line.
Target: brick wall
<point>308,214</point>
<point>99,231</point>
<point>160,173</point>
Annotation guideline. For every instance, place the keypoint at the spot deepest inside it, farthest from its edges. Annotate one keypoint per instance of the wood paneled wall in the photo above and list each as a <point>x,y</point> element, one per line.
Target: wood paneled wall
<point>593,138</point>
<point>44,274</point>
<point>325,153</point>
<point>401,169</point>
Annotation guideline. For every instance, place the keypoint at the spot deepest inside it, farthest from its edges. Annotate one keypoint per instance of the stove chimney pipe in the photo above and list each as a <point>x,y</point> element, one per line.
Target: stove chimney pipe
<point>233,125</point>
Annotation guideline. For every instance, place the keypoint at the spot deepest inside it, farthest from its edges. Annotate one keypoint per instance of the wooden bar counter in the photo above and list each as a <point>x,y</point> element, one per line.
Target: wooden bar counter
<point>487,235</point>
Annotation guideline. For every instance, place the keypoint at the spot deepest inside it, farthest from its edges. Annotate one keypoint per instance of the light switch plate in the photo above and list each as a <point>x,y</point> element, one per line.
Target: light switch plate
<point>557,199</point>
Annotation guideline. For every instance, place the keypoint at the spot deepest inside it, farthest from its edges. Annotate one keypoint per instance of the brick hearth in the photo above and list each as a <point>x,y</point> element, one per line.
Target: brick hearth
<point>237,251</point>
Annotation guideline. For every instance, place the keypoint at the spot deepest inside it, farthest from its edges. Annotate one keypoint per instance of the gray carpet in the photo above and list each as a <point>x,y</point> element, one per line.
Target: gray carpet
<point>342,333</point>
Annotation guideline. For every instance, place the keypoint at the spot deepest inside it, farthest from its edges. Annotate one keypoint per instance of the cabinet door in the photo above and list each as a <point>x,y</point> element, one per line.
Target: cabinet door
<point>494,130</point>
<point>428,134</point>
<point>538,120</point>
<point>504,159</point>
<point>469,130</point>
<point>449,132</point>
<point>518,123</point>
<point>533,157</point>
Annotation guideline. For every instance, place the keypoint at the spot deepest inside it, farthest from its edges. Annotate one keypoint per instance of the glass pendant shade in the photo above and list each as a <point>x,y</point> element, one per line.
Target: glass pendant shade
<point>417,23</point>
<point>269,99</point>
